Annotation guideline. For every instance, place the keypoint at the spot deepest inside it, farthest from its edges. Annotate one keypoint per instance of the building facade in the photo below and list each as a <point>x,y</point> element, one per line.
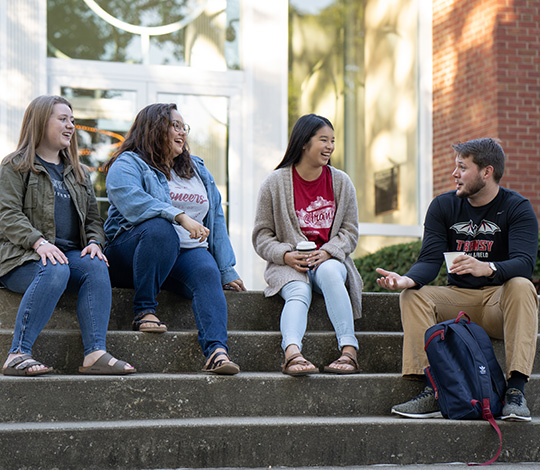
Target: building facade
<point>400,79</point>
<point>486,82</point>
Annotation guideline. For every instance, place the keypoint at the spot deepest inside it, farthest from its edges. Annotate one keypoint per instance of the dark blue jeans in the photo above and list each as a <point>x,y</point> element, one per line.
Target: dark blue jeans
<point>44,285</point>
<point>148,258</point>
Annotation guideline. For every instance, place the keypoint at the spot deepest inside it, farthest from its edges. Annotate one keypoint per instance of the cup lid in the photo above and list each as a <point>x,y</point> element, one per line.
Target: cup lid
<point>306,245</point>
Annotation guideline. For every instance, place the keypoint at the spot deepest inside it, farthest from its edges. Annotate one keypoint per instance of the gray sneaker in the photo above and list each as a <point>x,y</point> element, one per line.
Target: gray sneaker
<point>515,406</point>
<point>422,406</point>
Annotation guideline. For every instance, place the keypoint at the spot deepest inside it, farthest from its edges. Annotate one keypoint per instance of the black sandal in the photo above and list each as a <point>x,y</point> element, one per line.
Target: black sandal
<point>159,327</point>
<point>221,366</point>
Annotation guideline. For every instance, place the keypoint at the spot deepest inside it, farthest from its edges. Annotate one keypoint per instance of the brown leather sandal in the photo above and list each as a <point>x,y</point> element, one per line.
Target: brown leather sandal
<point>346,359</point>
<point>295,360</point>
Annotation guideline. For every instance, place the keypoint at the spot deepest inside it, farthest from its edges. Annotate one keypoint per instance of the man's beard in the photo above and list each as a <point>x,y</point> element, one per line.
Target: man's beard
<point>473,188</point>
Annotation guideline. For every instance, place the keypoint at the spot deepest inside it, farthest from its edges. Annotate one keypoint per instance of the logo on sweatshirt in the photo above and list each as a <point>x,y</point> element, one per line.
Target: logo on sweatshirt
<point>471,229</point>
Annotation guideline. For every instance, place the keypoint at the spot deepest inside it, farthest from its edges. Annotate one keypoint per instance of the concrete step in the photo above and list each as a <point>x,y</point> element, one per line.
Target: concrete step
<point>261,441</point>
<point>246,310</point>
<point>170,415</point>
<point>432,466</point>
<point>163,396</point>
<point>254,351</point>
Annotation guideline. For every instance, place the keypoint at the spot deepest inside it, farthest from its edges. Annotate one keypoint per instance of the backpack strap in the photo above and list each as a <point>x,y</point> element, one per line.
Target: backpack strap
<point>470,340</point>
<point>488,416</point>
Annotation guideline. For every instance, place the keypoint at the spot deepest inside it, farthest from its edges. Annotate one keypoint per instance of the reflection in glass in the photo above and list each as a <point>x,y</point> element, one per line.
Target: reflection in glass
<point>208,117</point>
<point>102,119</point>
<point>205,33</point>
<point>355,62</point>
<point>325,69</point>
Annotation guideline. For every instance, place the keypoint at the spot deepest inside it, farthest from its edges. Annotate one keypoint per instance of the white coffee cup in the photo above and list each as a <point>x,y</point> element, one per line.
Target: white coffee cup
<point>306,246</point>
<point>450,256</point>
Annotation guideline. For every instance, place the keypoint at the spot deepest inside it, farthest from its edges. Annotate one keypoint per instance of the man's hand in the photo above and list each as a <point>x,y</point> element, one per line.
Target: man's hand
<point>393,281</point>
<point>465,264</point>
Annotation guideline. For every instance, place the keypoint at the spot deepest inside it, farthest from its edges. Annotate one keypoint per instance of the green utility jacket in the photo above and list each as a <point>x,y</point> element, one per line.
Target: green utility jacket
<point>27,212</point>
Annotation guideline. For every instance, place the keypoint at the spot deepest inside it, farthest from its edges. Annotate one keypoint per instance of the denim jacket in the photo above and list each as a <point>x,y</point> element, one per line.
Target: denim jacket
<point>138,192</point>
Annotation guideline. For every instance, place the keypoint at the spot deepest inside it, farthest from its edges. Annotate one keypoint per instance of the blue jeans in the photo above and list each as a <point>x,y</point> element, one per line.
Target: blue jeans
<point>148,258</point>
<point>329,280</point>
<point>44,285</point>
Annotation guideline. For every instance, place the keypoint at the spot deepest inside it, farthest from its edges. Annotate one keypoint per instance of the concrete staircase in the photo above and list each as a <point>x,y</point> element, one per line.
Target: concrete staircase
<point>170,415</point>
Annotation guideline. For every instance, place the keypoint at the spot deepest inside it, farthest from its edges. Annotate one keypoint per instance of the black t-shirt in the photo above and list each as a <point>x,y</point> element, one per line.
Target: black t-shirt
<point>66,219</point>
<point>505,232</point>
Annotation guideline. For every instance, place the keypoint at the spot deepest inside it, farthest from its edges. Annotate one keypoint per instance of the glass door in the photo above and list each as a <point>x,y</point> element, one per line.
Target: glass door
<point>107,99</point>
<point>102,119</point>
<point>208,117</point>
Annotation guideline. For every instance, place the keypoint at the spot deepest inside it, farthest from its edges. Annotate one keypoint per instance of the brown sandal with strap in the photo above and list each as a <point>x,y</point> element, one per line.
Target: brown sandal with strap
<point>298,360</point>
<point>345,359</point>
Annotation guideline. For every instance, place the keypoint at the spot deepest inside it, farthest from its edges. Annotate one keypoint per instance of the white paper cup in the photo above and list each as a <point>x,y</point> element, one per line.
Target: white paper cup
<point>306,247</point>
<point>450,256</point>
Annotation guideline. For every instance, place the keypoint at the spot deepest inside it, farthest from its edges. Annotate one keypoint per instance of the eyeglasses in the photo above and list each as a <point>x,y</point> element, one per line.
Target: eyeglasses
<point>180,126</point>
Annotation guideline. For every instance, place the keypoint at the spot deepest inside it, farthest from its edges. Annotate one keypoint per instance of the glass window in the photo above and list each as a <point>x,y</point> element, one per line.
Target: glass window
<point>193,33</point>
<point>354,62</point>
<point>102,119</point>
<point>208,117</point>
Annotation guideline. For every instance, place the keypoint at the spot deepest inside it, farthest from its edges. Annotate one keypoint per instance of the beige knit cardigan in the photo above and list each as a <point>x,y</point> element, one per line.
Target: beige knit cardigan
<point>277,231</point>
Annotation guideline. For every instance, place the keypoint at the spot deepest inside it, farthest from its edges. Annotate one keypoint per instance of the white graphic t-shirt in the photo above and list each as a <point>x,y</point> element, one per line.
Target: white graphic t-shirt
<point>190,196</point>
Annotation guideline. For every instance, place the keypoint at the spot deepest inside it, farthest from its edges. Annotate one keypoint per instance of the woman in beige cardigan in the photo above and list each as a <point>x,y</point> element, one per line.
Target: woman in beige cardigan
<point>307,199</point>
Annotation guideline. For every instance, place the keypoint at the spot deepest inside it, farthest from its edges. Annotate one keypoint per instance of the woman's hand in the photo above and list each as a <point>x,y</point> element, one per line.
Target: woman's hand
<point>237,285</point>
<point>297,261</point>
<point>93,249</point>
<point>195,229</point>
<point>316,258</point>
<point>50,252</point>
<point>303,262</point>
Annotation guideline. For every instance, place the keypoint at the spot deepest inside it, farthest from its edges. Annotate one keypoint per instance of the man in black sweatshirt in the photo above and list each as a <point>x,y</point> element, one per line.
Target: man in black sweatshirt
<point>496,232</point>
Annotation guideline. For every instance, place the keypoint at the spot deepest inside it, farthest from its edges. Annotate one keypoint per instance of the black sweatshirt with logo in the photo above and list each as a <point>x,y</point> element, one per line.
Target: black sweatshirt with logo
<point>504,231</point>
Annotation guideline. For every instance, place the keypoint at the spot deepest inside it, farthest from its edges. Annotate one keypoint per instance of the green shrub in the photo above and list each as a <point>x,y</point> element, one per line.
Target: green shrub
<point>399,258</point>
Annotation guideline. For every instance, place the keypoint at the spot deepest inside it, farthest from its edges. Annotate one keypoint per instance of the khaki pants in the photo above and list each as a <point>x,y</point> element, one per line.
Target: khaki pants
<point>508,312</point>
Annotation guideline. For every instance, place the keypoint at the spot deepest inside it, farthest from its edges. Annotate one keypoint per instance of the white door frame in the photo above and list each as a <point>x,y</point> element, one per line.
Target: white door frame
<point>147,81</point>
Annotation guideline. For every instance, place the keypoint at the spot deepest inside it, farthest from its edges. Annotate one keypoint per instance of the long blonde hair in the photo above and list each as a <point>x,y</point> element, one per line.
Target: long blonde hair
<point>33,128</point>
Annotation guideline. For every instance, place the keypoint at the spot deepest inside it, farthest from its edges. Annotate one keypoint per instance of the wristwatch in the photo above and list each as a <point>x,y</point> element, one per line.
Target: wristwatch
<point>493,269</point>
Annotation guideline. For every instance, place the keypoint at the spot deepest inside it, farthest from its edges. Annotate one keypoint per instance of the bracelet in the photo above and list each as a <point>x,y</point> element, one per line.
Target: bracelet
<point>94,241</point>
<point>42,242</point>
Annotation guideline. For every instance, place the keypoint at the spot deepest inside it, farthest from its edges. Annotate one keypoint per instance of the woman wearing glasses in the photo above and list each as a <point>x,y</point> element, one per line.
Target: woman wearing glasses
<point>166,229</point>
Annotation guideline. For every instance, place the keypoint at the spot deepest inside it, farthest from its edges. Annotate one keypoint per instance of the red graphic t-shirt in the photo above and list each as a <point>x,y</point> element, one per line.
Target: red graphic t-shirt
<point>315,205</point>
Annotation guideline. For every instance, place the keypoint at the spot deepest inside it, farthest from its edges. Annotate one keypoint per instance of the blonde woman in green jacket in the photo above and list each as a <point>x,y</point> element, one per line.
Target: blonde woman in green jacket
<point>50,239</point>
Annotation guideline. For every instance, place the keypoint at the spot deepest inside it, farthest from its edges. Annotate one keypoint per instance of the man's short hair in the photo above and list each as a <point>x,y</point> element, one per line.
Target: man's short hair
<point>484,152</point>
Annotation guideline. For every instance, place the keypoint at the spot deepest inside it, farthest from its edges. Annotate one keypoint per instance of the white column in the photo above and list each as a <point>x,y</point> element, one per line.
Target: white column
<point>425,107</point>
<point>23,64</point>
<point>264,42</point>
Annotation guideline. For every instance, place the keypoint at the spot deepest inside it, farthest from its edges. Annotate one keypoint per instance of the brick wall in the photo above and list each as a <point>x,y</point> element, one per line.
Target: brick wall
<point>486,83</point>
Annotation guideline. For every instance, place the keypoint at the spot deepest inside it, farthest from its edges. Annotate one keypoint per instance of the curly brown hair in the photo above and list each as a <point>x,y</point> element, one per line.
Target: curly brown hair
<point>148,138</point>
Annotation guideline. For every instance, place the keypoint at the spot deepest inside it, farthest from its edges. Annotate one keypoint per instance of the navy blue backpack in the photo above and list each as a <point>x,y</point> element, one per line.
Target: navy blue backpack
<point>464,372</point>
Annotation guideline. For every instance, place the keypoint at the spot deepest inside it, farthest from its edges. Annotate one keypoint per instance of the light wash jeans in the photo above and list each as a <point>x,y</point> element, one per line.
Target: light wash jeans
<point>329,280</point>
<point>44,285</point>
